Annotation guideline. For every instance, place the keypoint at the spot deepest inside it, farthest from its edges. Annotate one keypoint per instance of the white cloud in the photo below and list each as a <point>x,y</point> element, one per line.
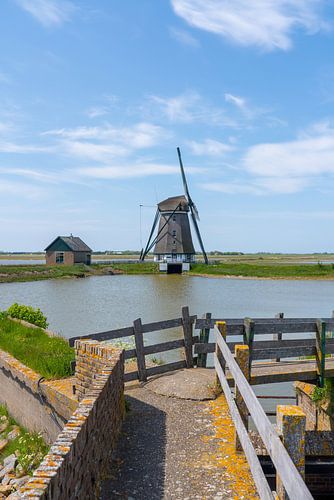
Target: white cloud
<point>239,102</point>
<point>183,37</point>
<point>268,24</point>
<point>30,174</point>
<point>190,107</point>
<point>312,154</point>
<point>12,147</point>
<point>140,135</point>
<point>48,12</point>
<point>259,186</point>
<point>209,147</point>
<point>10,188</point>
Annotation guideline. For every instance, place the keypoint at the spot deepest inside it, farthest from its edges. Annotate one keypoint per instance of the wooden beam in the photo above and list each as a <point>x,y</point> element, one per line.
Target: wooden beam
<point>278,336</point>
<point>204,339</point>
<point>187,325</point>
<point>140,354</point>
<point>156,370</point>
<point>320,338</point>
<point>242,359</point>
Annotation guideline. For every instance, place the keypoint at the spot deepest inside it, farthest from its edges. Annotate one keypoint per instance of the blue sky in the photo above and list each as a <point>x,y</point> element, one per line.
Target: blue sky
<point>95,96</point>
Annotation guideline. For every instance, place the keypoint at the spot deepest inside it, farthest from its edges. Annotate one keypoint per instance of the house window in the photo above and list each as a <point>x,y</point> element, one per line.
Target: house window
<point>59,257</point>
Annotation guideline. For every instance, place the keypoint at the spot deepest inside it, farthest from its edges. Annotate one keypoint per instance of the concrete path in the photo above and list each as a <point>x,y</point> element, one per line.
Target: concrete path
<point>173,448</point>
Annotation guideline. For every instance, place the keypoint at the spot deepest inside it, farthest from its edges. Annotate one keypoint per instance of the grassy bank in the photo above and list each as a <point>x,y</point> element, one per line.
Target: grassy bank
<point>49,356</point>
<point>257,269</point>
<point>315,271</point>
<point>16,273</point>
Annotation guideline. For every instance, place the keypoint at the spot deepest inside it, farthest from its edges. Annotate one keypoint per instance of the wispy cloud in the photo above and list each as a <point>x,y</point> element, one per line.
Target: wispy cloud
<point>14,147</point>
<point>209,147</point>
<point>261,186</point>
<point>189,107</point>
<point>49,12</point>
<point>239,102</point>
<point>184,37</point>
<point>133,170</point>
<point>267,24</point>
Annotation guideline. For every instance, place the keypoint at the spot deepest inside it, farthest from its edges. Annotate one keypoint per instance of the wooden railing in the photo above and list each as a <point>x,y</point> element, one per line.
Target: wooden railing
<point>196,347</point>
<point>293,483</point>
<point>137,331</point>
<point>319,346</point>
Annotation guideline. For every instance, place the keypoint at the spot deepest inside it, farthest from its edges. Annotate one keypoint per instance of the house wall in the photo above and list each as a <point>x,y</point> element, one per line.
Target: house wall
<point>80,257</point>
<point>51,258</point>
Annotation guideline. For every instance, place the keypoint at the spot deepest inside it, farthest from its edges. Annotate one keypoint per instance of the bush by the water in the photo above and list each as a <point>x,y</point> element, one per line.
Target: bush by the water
<point>28,313</point>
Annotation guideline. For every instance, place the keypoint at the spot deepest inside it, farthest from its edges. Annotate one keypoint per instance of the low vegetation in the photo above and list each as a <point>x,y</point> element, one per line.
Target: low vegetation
<point>265,270</point>
<point>28,313</point>
<point>324,394</point>
<point>49,356</point>
<point>28,448</point>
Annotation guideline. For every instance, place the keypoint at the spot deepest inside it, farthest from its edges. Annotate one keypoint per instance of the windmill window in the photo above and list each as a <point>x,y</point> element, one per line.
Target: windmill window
<point>174,233</point>
<point>174,218</point>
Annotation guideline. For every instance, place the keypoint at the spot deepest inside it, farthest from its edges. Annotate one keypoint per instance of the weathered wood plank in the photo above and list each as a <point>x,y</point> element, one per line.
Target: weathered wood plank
<point>290,477</point>
<point>164,346</point>
<point>253,461</point>
<point>130,376</point>
<point>283,352</point>
<point>130,353</point>
<point>204,339</point>
<point>278,336</point>
<point>320,351</point>
<point>140,354</point>
<point>269,325</point>
<point>108,335</point>
<point>164,325</point>
<point>188,336</point>
<point>156,370</point>
<point>268,344</point>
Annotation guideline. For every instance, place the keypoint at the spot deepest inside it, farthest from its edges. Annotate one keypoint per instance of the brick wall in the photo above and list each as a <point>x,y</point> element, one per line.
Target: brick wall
<point>50,258</point>
<point>318,416</point>
<point>81,454</point>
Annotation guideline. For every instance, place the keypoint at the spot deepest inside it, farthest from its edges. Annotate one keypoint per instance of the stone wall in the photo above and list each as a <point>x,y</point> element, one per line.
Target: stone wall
<point>318,416</point>
<point>81,454</point>
<point>33,402</point>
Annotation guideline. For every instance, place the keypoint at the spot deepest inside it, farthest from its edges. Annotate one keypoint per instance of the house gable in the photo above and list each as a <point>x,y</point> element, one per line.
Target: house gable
<point>58,245</point>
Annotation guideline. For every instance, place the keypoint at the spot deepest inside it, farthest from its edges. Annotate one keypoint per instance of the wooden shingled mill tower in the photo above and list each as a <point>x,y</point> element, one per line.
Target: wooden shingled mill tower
<point>173,244</point>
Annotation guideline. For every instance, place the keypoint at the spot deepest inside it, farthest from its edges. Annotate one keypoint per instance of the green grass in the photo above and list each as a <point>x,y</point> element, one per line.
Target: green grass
<point>48,356</point>
<point>265,270</point>
<point>135,267</point>
<point>40,272</point>
<point>30,448</point>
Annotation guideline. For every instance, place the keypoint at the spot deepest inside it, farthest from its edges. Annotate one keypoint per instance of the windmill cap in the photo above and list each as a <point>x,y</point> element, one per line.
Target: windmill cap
<point>175,203</point>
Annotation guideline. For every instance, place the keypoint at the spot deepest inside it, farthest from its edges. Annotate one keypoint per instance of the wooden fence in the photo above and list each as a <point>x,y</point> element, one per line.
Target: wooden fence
<point>196,347</point>
<point>186,322</point>
<point>286,470</point>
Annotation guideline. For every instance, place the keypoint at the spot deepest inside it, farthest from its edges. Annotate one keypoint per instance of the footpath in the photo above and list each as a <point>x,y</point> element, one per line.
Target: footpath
<point>173,447</point>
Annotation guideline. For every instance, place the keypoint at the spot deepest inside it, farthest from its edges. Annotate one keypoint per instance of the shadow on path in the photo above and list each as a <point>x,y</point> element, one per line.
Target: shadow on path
<point>138,467</point>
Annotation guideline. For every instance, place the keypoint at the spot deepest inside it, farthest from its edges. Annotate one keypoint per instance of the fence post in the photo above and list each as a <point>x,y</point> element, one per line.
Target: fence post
<point>204,339</point>
<point>291,421</point>
<point>278,336</point>
<point>139,340</point>
<point>221,325</point>
<point>248,338</point>
<point>320,339</point>
<point>188,337</point>
<point>242,358</point>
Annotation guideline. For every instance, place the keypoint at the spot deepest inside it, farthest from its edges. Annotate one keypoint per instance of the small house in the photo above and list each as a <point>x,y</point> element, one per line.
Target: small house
<point>68,250</point>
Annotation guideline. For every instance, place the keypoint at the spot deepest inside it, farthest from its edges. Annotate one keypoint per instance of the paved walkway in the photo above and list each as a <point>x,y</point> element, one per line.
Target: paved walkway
<point>173,448</point>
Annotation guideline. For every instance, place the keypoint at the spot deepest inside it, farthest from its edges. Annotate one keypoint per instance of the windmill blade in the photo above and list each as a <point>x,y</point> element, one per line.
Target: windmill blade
<point>184,180</point>
<point>194,209</point>
<point>193,217</point>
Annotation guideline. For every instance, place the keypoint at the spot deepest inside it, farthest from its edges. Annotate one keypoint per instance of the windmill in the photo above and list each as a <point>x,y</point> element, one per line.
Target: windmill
<point>173,245</point>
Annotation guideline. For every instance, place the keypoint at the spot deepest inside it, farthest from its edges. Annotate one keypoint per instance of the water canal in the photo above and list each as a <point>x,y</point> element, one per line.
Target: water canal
<point>83,306</point>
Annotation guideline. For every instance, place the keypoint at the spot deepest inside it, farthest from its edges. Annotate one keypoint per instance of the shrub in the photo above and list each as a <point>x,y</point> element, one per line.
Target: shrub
<point>28,313</point>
